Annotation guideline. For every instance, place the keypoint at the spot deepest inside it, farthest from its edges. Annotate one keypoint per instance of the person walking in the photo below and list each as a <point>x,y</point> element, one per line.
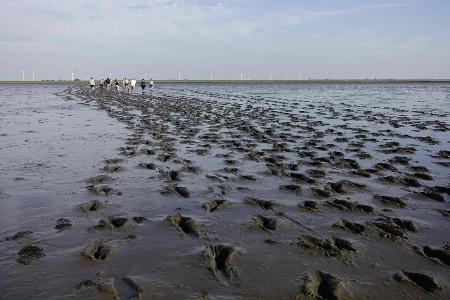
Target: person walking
<point>143,85</point>
<point>126,84</point>
<point>92,83</point>
<point>102,84</point>
<point>132,85</point>
<point>151,85</point>
<point>108,84</point>
<point>117,85</point>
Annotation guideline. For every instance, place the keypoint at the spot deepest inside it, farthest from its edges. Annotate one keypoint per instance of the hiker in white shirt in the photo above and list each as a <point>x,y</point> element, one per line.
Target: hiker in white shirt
<point>92,83</point>
<point>133,85</point>
<point>126,84</point>
<point>151,85</point>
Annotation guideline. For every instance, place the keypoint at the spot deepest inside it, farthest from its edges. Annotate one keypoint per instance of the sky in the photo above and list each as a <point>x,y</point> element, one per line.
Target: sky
<point>306,39</point>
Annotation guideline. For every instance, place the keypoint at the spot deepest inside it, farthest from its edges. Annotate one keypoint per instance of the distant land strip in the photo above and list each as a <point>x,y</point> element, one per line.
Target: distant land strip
<point>306,81</point>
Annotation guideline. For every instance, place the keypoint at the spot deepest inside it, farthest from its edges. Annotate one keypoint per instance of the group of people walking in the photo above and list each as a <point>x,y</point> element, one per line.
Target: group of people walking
<point>126,85</point>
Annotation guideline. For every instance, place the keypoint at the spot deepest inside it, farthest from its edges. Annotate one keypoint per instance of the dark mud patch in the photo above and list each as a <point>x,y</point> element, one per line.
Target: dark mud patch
<point>19,235</point>
<point>345,186</point>
<point>441,256</point>
<point>103,190</point>
<point>354,227</point>
<point>180,190</point>
<point>310,205</point>
<point>220,262</point>
<point>63,224</point>
<point>423,176</point>
<point>105,286</point>
<point>99,179</point>
<point>333,247</point>
<point>445,154</point>
<point>139,220</point>
<point>148,166</point>
<point>435,193</point>
<point>185,225</point>
<point>29,254</point>
<point>111,222</point>
<point>421,280</point>
<point>350,206</point>
<point>302,177</point>
<point>266,223</point>
<point>264,204</point>
<point>97,251</point>
<point>321,193</point>
<point>113,161</point>
<point>391,230</point>
<point>171,175</point>
<point>315,173</point>
<point>214,205</point>
<point>390,200</point>
<point>93,205</point>
<point>248,177</point>
<point>324,286</point>
<point>112,168</point>
<point>292,187</point>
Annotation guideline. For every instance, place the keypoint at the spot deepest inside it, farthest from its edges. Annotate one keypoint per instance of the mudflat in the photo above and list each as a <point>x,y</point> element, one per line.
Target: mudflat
<point>259,191</point>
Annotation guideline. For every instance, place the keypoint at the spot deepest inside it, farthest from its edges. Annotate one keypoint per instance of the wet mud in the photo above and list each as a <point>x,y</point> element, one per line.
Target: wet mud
<point>224,192</point>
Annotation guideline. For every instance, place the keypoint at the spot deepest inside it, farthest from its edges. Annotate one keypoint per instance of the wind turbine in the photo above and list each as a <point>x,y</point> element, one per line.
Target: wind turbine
<point>32,73</point>
<point>179,76</point>
<point>23,75</point>
<point>242,76</point>
<point>211,75</point>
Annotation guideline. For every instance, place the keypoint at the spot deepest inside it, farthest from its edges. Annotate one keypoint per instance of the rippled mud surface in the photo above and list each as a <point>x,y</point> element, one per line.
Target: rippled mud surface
<point>316,191</point>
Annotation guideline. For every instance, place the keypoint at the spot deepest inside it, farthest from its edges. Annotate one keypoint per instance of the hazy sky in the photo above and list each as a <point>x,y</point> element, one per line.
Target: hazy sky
<point>316,38</point>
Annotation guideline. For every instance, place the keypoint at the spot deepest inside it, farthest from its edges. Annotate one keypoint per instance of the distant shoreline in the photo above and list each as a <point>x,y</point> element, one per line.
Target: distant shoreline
<point>361,81</point>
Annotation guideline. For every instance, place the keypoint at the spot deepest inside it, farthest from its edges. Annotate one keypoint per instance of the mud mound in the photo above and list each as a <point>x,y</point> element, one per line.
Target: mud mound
<point>324,286</point>
<point>390,200</point>
<point>29,254</point>
<point>266,223</point>
<point>62,224</point>
<point>185,225</point>
<point>351,206</point>
<point>220,261</point>
<point>345,186</point>
<point>19,235</point>
<point>214,205</point>
<point>265,204</point>
<point>93,205</point>
<point>302,177</point>
<point>310,205</point>
<point>354,227</point>
<point>333,247</point>
<point>424,281</point>
<point>99,179</point>
<point>292,187</point>
<point>439,255</point>
<point>97,251</point>
<point>103,190</point>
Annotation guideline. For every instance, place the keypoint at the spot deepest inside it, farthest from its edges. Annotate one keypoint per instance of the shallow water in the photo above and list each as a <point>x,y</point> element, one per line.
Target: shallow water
<point>55,137</point>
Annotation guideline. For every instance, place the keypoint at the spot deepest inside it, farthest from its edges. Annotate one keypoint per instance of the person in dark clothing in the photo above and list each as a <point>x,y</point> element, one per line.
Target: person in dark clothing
<point>143,85</point>
<point>108,84</point>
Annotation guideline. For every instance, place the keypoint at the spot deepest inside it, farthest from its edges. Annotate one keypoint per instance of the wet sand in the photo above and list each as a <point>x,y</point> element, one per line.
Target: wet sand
<point>222,192</point>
